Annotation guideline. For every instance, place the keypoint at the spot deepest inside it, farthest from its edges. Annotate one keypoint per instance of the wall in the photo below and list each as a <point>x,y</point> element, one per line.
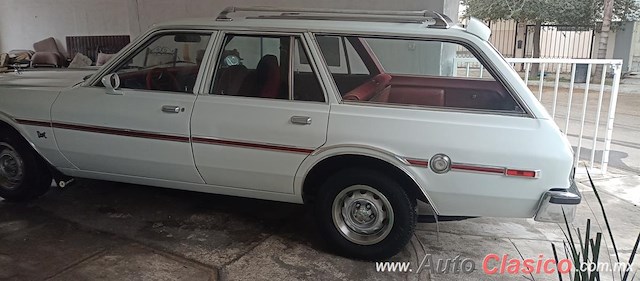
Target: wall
<point>634,66</point>
<point>553,42</point>
<point>23,22</point>
<point>623,41</point>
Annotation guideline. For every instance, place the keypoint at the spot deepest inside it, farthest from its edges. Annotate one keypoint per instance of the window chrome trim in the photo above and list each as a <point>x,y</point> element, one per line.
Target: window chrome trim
<point>128,90</point>
<point>434,108</point>
<point>213,64</point>
<point>329,83</point>
<point>291,63</point>
<point>314,68</point>
<point>265,99</point>
<point>205,66</point>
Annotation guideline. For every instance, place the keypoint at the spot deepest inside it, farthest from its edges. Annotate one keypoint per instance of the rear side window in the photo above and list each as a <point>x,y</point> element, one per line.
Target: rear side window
<point>426,73</point>
<point>272,67</point>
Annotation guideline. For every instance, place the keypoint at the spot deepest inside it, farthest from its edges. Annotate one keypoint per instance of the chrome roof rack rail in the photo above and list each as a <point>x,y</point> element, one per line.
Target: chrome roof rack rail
<point>440,20</point>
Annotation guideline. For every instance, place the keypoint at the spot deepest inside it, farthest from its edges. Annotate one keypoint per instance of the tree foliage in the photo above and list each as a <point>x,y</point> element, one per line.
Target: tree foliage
<point>564,12</point>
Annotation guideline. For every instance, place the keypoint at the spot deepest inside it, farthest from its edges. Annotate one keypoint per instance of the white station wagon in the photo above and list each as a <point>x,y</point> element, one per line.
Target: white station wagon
<point>359,114</point>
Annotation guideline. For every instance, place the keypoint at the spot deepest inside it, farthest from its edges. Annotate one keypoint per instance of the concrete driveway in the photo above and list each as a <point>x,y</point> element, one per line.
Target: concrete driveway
<point>110,231</point>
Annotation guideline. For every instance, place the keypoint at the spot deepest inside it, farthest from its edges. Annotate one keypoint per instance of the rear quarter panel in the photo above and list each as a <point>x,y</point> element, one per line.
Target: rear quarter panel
<point>479,139</point>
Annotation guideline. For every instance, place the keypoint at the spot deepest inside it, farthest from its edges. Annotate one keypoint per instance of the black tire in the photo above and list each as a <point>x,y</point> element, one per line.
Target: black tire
<point>349,242</point>
<point>33,178</point>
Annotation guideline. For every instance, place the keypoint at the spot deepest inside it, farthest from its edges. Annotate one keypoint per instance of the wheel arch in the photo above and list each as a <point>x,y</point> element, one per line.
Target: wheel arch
<point>331,163</point>
<point>7,124</point>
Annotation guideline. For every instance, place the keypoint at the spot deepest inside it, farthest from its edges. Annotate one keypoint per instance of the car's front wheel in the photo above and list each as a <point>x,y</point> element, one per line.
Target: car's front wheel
<point>23,176</point>
<point>365,214</point>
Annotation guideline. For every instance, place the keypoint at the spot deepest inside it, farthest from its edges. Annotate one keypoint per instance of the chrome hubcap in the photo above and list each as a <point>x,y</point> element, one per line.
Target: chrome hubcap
<point>362,215</point>
<point>11,167</point>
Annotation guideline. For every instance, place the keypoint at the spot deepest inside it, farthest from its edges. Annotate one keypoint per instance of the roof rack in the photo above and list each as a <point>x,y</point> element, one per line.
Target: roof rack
<point>437,20</point>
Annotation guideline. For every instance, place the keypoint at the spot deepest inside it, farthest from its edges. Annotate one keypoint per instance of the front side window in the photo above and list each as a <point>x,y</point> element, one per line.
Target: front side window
<point>169,63</point>
<point>416,73</point>
<point>273,67</point>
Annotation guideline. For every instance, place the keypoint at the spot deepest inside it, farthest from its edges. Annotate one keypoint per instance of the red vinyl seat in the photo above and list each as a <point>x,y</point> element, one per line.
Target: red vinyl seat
<point>365,92</point>
<point>418,96</point>
<point>231,80</point>
<point>268,74</point>
<point>264,82</point>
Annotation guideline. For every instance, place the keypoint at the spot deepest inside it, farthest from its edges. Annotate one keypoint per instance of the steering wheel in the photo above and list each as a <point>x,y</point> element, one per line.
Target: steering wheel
<point>162,80</point>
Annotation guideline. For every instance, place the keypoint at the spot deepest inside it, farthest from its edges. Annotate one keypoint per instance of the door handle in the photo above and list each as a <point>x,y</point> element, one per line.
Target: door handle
<point>171,109</point>
<point>301,120</point>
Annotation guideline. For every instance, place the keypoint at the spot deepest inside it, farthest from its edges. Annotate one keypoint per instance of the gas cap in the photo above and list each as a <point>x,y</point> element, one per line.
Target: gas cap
<point>440,163</point>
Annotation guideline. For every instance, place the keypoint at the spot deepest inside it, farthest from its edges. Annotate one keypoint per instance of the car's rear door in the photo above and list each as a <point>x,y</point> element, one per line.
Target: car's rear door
<point>264,116</point>
<point>141,129</point>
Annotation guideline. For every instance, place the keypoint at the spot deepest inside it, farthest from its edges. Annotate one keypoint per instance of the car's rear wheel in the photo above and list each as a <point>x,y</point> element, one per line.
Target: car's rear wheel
<point>365,214</point>
<point>23,175</point>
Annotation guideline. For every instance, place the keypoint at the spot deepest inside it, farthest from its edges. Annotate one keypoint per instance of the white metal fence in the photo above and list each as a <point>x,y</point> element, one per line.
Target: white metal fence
<point>588,127</point>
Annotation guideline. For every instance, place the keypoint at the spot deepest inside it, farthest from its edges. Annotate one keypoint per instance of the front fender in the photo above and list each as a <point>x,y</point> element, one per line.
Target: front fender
<point>11,122</point>
<point>40,137</point>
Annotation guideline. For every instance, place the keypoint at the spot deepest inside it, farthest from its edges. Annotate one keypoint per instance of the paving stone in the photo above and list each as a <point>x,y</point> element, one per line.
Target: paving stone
<point>33,246</point>
<point>132,262</point>
<point>280,258</point>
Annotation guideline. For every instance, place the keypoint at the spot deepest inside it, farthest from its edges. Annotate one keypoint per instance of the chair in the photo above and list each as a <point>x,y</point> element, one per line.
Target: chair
<point>47,54</point>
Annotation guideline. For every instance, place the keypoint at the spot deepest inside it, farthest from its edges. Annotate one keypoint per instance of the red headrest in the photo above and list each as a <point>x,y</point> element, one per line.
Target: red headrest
<point>268,72</point>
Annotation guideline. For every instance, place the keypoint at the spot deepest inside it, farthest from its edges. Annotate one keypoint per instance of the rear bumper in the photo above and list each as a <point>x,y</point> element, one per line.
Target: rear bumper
<point>556,204</point>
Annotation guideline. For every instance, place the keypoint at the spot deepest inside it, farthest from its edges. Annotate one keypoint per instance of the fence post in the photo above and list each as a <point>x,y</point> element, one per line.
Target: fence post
<point>598,111</point>
<point>585,103</point>
<point>617,70</point>
<point>555,92</point>
<point>541,86</point>
<point>570,98</point>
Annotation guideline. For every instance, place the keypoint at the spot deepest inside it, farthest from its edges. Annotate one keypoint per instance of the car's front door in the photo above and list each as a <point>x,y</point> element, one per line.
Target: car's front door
<point>142,128</point>
<point>266,113</point>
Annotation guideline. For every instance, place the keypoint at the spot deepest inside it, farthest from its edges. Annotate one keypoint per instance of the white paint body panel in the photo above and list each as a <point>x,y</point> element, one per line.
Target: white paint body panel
<point>29,95</point>
<point>258,121</point>
<point>490,140</point>
<point>386,133</point>
<point>125,155</point>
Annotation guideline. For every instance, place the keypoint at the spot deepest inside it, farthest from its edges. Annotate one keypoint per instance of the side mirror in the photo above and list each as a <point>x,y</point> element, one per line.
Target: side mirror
<point>112,83</point>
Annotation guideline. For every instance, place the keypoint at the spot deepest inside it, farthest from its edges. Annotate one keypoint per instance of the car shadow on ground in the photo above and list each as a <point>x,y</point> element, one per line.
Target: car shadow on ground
<point>182,221</point>
<point>240,238</point>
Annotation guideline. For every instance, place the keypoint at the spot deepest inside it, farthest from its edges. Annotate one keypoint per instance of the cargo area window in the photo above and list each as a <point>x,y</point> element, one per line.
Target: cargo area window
<point>428,73</point>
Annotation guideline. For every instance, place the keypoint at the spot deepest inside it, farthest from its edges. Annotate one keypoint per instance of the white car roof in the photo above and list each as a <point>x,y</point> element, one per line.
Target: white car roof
<point>337,22</point>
